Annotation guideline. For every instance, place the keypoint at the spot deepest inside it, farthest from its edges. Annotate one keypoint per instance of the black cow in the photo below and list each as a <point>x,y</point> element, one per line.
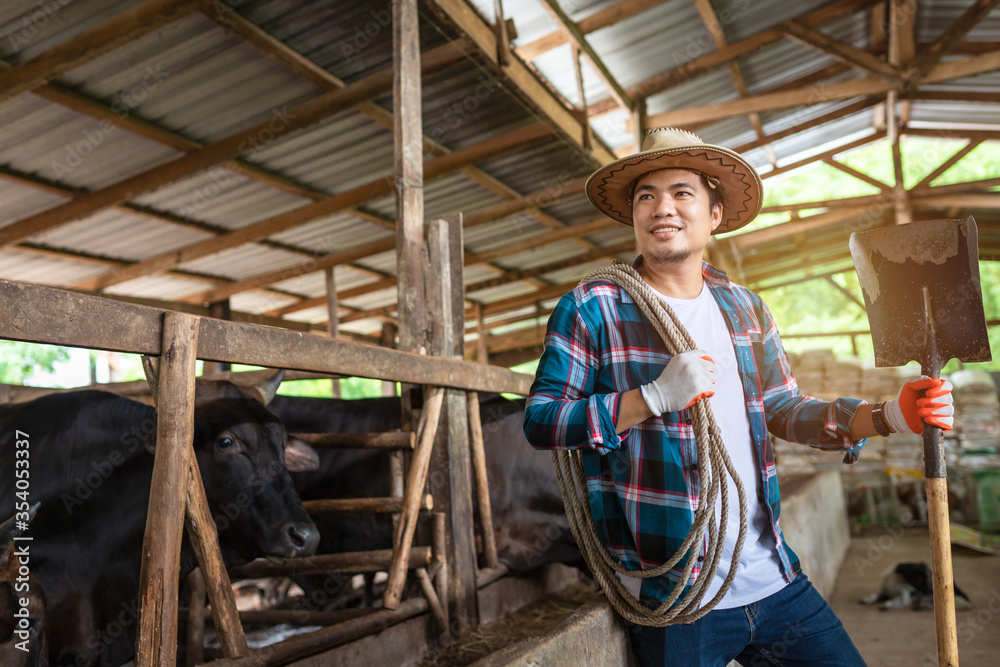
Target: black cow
<point>530,525</point>
<point>91,464</point>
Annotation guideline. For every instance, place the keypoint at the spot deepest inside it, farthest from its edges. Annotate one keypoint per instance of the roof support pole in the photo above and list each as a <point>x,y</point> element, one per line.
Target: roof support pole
<point>411,259</point>
<point>451,468</point>
<point>161,554</point>
<point>333,319</point>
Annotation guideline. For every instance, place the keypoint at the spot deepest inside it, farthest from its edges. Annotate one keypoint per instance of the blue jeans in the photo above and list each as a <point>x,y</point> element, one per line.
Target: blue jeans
<point>795,626</point>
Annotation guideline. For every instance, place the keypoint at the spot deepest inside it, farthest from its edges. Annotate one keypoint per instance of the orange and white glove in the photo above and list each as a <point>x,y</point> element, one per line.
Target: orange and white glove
<point>688,378</point>
<point>924,399</point>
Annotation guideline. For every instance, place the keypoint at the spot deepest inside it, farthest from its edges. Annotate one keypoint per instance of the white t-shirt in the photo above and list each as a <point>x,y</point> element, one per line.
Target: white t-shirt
<point>759,573</point>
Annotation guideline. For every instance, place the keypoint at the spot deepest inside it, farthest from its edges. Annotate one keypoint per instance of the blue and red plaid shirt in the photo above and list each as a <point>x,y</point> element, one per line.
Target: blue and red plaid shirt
<point>643,484</point>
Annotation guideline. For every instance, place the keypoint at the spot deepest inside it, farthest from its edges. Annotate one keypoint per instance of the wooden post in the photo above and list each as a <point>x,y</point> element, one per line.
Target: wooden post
<point>161,552</point>
<point>195,653</point>
<point>439,550</point>
<point>578,70</point>
<point>220,310</point>
<point>409,170</point>
<point>388,339</point>
<point>451,476</point>
<point>410,248</point>
<point>333,319</point>
<point>503,38</point>
<point>482,482</point>
<point>482,350</point>
<point>639,122</point>
<point>205,540</point>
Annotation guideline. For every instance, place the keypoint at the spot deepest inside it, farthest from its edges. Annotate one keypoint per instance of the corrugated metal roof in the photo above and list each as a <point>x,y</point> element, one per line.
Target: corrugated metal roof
<point>24,33</point>
<point>45,269</point>
<point>204,82</point>
<point>115,234</point>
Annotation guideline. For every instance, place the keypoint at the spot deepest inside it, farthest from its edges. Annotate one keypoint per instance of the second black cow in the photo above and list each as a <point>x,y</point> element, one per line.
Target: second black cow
<point>529,520</point>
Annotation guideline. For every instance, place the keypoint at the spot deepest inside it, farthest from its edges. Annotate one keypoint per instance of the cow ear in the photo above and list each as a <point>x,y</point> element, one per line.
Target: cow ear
<point>268,389</point>
<point>151,367</point>
<point>299,456</point>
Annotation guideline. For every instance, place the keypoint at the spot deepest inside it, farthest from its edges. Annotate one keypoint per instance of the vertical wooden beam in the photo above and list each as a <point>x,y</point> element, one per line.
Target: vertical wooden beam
<point>453,467</point>
<point>578,71</point>
<point>639,122</point>
<point>388,339</point>
<point>333,319</point>
<point>195,653</point>
<point>902,19</point>
<point>482,351</point>
<point>410,270</point>
<point>440,551</point>
<point>161,553</point>
<point>220,310</point>
<point>503,38</point>
<point>409,169</point>
<point>482,482</point>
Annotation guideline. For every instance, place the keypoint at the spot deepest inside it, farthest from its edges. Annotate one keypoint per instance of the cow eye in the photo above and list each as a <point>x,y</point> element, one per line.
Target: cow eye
<point>225,442</point>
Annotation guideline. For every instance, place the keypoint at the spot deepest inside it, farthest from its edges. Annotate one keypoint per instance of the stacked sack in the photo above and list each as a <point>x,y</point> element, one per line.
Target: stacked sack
<point>977,421</point>
<point>823,375</point>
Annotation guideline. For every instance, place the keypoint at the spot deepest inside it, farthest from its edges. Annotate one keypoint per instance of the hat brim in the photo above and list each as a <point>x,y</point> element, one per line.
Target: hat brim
<point>608,187</point>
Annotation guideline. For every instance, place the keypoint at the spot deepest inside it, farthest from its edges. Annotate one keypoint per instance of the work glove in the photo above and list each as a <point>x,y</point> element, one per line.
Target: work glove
<point>924,399</point>
<point>688,378</point>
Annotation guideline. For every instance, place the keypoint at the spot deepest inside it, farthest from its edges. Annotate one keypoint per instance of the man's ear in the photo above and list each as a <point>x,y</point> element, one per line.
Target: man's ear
<point>716,216</point>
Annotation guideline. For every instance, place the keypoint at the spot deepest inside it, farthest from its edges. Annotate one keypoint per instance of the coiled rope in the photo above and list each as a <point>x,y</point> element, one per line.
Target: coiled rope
<point>714,463</point>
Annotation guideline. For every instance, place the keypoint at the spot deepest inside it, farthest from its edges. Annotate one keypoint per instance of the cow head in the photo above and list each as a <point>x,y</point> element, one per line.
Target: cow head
<point>22,637</point>
<point>245,456</point>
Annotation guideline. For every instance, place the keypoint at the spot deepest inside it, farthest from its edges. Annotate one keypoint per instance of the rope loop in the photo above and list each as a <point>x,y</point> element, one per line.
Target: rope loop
<point>711,480</point>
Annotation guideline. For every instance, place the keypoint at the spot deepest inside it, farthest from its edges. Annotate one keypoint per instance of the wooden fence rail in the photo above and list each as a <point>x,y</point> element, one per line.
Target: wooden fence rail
<point>38,314</point>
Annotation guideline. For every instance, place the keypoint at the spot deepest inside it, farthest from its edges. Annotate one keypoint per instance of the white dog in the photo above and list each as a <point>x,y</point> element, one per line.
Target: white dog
<point>909,584</point>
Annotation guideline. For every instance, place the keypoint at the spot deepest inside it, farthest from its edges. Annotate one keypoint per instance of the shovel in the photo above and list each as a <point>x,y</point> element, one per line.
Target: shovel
<point>921,286</point>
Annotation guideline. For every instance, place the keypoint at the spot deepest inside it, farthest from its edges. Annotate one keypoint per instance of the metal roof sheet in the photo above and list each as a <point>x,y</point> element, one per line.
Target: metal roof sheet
<point>204,82</point>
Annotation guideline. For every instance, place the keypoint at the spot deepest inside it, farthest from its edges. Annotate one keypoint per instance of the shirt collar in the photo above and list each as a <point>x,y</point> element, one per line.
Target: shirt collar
<point>715,277</point>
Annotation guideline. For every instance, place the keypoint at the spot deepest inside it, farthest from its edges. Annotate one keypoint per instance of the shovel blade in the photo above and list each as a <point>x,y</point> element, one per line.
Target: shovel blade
<point>895,265</point>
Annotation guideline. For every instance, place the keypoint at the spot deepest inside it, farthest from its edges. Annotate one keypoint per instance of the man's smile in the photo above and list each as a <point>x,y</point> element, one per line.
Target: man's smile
<point>664,230</point>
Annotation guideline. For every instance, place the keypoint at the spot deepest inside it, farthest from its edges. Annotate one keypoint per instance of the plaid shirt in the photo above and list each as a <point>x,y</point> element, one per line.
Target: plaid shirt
<point>643,484</point>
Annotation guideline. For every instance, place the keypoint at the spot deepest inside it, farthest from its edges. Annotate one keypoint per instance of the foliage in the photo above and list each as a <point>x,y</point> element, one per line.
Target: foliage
<point>349,388</point>
<point>19,362</point>
<point>816,306</point>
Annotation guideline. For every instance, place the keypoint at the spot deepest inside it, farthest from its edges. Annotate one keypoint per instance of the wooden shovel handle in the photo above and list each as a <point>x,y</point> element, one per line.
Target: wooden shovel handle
<point>944,589</point>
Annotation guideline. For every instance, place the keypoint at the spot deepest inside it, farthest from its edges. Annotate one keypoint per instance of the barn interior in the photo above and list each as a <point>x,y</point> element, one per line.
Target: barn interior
<point>395,191</point>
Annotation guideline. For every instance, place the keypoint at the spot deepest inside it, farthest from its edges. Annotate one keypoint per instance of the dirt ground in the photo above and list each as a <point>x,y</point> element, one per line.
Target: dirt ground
<point>905,638</point>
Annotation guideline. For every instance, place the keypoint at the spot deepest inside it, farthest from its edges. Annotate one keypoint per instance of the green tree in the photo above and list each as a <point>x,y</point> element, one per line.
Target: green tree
<point>19,361</point>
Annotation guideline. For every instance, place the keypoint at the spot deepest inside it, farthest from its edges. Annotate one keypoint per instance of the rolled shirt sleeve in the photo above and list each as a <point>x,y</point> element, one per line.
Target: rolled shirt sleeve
<point>793,416</point>
<point>562,411</point>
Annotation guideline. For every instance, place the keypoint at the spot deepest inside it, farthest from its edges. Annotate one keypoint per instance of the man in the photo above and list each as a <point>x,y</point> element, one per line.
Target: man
<point>607,386</point>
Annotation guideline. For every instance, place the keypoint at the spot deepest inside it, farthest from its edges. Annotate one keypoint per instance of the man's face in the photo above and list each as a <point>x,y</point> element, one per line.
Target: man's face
<point>671,216</point>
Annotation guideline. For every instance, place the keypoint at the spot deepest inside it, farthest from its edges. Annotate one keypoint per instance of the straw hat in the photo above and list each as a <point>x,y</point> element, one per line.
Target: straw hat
<point>609,189</point>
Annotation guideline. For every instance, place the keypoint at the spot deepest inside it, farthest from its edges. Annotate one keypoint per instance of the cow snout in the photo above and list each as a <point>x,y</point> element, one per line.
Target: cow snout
<point>300,539</point>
